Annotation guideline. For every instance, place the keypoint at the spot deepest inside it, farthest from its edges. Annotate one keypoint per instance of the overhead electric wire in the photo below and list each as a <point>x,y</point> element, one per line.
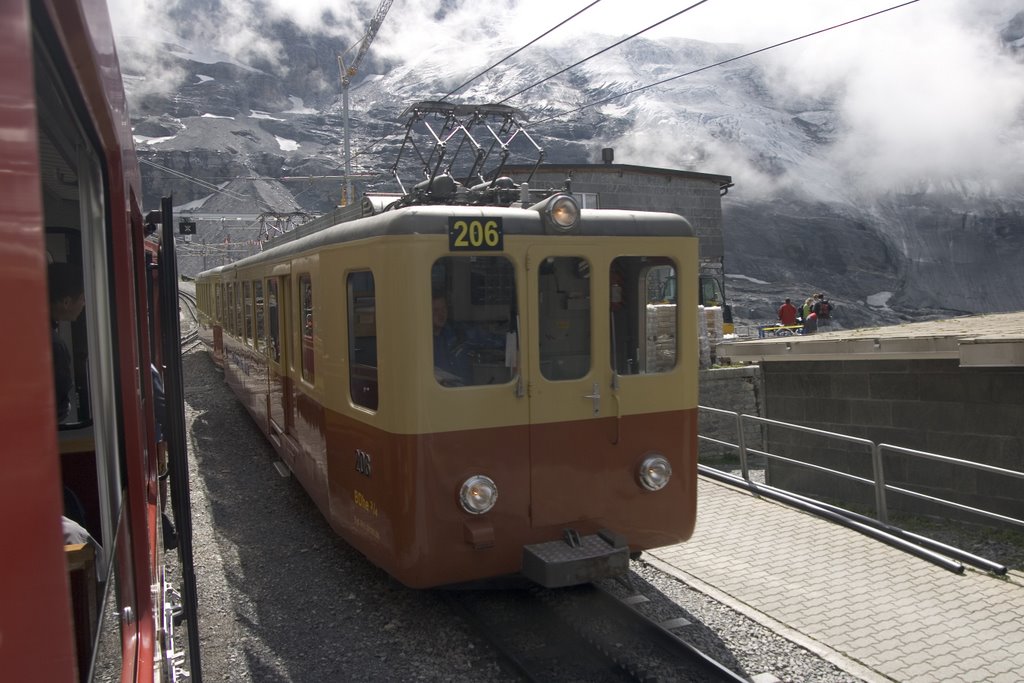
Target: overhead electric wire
<point>197,181</point>
<point>369,147</point>
<point>600,52</point>
<point>210,186</point>
<point>520,49</point>
<point>711,66</point>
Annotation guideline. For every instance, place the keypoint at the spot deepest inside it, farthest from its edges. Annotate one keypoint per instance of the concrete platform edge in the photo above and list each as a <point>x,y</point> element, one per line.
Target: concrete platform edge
<point>834,657</point>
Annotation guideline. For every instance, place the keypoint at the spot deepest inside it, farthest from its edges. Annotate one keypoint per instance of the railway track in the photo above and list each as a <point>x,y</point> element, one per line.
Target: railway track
<point>588,633</point>
<point>189,321</point>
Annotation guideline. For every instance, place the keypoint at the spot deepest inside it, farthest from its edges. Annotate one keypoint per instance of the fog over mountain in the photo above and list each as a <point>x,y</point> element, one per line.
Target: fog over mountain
<point>881,162</point>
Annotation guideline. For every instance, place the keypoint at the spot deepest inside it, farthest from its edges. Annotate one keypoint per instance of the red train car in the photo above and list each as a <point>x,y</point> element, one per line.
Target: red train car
<point>77,403</point>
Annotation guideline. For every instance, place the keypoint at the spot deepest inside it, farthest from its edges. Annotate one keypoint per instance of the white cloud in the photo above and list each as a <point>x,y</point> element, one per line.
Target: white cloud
<point>921,92</point>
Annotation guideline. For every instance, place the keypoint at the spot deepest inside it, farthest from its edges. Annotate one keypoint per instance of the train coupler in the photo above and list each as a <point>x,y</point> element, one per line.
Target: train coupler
<point>576,559</point>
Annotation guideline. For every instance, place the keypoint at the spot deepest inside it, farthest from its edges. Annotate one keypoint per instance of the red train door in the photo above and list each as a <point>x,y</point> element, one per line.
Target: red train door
<point>569,380</point>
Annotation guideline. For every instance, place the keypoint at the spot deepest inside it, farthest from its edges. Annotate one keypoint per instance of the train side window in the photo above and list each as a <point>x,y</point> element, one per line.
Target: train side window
<point>643,315</point>
<point>306,318</point>
<point>229,308</point>
<point>68,296</point>
<point>247,311</point>
<point>257,288</point>
<point>475,322</point>
<point>217,313</point>
<point>564,310</point>
<point>273,317</point>
<point>362,339</point>
<point>238,303</point>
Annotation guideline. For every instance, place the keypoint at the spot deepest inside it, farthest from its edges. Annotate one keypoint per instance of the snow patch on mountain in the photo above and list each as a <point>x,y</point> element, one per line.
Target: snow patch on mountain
<point>286,144</point>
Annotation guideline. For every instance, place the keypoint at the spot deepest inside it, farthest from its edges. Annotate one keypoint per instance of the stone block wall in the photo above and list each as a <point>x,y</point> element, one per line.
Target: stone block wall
<point>737,389</point>
<point>936,406</point>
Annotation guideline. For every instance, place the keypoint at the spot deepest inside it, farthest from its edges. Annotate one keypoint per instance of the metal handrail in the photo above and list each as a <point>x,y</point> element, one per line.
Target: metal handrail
<point>991,469</point>
<point>877,450</point>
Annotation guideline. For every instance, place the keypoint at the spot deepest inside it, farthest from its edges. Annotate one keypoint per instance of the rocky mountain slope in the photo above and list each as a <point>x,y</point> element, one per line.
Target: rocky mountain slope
<point>797,221</point>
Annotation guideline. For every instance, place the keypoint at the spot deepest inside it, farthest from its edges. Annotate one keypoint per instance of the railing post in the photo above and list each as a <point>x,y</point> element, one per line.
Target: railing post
<point>743,447</point>
<point>881,510</point>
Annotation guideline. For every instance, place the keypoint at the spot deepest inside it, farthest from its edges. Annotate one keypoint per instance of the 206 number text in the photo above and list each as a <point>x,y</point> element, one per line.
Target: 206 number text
<point>475,234</point>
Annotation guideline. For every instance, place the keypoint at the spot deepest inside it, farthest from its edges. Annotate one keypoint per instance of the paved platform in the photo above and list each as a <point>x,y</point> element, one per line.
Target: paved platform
<point>876,612</point>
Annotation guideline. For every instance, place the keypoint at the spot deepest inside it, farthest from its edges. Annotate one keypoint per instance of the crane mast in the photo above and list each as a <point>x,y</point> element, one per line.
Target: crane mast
<point>347,72</point>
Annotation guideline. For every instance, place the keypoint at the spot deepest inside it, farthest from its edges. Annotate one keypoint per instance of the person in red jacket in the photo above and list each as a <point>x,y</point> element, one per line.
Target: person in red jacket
<point>787,313</point>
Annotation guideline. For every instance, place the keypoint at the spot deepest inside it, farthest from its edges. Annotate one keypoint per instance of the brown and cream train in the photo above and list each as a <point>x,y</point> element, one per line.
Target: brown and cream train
<point>470,392</point>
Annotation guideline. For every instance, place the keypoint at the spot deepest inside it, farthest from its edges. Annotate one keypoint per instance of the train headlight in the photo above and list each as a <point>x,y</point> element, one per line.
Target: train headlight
<point>655,471</point>
<point>561,214</point>
<point>478,494</point>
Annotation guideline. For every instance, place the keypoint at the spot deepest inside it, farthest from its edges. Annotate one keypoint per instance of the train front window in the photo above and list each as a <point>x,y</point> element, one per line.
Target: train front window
<point>643,315</point>
<point>564,310</point>
<point>474,320</point>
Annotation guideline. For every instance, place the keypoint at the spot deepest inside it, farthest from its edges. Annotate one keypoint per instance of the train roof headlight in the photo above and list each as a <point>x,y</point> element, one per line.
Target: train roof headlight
<point>655,471</point>
<point>561,214</point>
<point>478,494</point>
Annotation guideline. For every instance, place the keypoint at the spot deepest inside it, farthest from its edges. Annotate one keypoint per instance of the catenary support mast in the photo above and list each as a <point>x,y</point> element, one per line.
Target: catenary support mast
<point>347,72</point>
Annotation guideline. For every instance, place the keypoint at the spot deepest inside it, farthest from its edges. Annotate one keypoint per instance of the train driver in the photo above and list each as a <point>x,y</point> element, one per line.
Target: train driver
<point>458,346</point>
<point>451,360</point>
<point>67,299</point>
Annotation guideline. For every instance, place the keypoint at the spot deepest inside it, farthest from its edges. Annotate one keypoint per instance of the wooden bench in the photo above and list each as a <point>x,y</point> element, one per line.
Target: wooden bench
<point>81,559</point>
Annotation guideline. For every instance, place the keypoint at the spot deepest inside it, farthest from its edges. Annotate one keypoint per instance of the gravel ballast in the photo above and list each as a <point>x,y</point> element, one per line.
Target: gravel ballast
<point>282,598</point>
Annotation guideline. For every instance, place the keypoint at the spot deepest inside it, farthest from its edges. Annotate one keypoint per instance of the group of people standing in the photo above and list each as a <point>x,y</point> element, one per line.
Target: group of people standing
<point>815,311</point>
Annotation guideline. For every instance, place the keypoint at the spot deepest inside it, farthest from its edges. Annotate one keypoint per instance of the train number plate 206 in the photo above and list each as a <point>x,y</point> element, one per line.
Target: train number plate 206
<point>475,234</point>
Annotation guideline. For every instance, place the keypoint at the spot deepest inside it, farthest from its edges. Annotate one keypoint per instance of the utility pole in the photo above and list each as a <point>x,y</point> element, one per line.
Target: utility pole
<point>346,78</point>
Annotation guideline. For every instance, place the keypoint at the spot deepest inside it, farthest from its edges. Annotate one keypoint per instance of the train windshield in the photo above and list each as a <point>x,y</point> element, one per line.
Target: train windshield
<point>475,323</point>
<point>564,305</point>
<point>643,315</point>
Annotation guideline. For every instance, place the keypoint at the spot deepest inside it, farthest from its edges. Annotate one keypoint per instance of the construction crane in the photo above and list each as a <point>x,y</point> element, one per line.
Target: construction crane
<point>347,72</point>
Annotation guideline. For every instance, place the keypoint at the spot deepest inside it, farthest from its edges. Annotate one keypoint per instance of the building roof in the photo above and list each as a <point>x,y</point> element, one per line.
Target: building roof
<point>617,168</point>
<point>992,340</point>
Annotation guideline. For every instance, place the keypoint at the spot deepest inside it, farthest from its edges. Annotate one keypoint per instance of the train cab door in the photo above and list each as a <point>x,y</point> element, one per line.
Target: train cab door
<point>568,380</point>
<point>278,352</point>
